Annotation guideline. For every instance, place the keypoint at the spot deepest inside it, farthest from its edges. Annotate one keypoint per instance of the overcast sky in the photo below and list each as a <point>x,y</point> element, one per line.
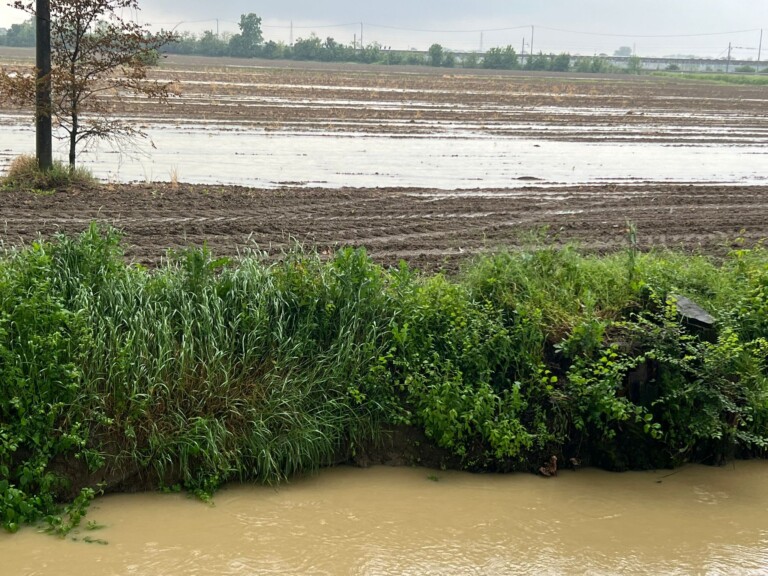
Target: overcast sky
<point>652,27</point>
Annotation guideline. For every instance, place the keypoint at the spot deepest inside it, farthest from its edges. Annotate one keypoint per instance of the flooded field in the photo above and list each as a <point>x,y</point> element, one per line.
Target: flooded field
<point>696,520</point>
<point>431,167</point>
<point>263,125</point>
<point>427,165</point>
<point>213,154</point>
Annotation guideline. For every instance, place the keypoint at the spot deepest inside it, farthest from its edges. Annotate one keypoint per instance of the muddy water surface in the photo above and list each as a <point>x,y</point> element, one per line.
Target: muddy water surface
<point>696,520</point>
<point>216,155</point>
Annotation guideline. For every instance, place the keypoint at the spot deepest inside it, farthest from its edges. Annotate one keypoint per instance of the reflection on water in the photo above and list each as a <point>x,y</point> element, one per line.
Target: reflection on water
<point>696,520</point>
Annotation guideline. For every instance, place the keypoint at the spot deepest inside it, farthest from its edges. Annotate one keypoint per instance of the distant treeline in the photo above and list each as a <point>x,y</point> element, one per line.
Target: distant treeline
<point>249,43</point>
<point>19,35</point>
<point>329,50</point>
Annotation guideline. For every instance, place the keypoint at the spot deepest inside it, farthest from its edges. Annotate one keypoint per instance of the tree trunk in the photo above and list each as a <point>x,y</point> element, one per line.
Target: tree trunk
<point>73,142</point>
<point>44,145</point>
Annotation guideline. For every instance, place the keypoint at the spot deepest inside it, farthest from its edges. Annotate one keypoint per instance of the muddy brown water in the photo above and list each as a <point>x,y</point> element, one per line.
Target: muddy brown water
<point>696,520</point>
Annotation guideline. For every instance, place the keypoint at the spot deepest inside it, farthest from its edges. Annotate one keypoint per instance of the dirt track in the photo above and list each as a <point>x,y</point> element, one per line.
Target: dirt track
<point>430,229</point>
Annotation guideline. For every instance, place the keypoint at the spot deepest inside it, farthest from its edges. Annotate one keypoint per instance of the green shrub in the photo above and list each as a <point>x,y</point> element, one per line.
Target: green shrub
<point>42,347</point>
<point>711,398</point>
<point>206,370</point>
<point>462,374</point>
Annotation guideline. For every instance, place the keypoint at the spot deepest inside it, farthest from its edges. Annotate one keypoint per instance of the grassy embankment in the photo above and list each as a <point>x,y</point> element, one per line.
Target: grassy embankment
<point>205,370</point>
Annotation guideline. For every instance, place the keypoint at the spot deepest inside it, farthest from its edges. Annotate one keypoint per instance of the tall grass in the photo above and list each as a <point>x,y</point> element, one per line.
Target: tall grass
<point>212,372</point>
<point>24,173</point>
<point>206,370</point>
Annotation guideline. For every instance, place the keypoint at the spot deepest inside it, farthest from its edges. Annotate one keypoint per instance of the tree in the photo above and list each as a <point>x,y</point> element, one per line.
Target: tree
<point>247,43</point>
<point>436,55</point>
<point>538,61</point>
<point>98,58</point>
<point>634,65</point>
<point>594,65</point>
<point>211,45</point>
<point>274,49</point>
<point>471,60</point>
<point>370,54</point>
<point>308,48</point>
<point>561,63</point>
<point>624,51</point>
<point>501,59</point>
<point>20,34</point>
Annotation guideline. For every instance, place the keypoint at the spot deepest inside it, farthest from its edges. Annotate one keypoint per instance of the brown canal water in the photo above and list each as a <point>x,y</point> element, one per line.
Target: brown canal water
<point>696,520</point>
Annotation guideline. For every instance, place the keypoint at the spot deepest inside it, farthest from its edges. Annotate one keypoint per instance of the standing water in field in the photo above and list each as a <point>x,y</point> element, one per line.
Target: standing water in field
<point>696,520</point>
<point>266,160</point>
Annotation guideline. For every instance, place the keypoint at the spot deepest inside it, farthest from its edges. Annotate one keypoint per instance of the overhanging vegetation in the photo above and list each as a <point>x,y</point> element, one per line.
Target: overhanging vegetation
<point>206,370</point>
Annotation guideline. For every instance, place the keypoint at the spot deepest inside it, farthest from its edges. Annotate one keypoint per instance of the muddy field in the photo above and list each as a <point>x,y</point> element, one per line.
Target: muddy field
<point>429,228</point>
<point>432,227</point>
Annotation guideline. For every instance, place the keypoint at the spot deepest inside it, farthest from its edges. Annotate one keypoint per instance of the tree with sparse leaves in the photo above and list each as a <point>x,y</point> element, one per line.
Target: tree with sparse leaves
<point>98,59</point>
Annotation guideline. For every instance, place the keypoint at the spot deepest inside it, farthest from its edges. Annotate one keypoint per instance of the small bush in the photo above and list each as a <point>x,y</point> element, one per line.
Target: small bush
<point>24,172</point>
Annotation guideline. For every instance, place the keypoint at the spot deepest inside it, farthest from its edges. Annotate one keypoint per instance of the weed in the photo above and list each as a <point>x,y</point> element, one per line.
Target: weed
<point>207,370</point>
<point>174,178</point>
<point>24,173</point>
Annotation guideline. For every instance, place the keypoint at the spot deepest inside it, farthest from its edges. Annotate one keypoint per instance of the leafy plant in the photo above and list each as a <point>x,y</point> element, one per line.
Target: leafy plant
<point>206,370</point>
<point>712,396</point>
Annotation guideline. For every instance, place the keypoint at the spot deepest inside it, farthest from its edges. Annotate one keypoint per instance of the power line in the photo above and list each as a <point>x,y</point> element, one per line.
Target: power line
<point>479,30</point>
<point>466,31</point>
<point>649,35</point>
<point>312,27</point>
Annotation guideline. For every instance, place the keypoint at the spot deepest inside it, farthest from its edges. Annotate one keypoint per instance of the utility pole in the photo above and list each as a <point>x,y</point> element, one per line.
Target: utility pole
<point>481,42</point>
<point>728,63</point>
<point>759,49</point>
<point>217,27</point>
<point>531,44</point>
<point>291,40</point>
<point>43,124</point>
<point>361,36</point>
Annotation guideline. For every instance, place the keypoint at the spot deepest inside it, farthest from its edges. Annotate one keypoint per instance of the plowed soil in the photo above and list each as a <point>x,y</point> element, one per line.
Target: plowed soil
<point>432,229</point>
